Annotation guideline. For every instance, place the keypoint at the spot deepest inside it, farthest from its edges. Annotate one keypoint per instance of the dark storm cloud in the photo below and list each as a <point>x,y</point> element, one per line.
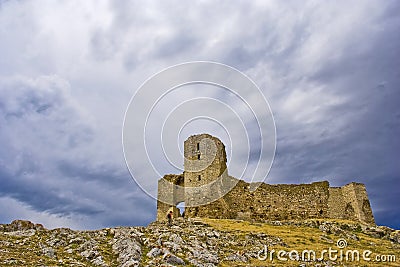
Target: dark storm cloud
<point>355,139</point>
<point>328,69</point>
<point>43,197</point>
<point>46,161</point>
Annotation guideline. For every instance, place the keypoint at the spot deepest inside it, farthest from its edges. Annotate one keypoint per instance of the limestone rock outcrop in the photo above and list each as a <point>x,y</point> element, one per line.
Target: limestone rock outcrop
<point>188,242</point>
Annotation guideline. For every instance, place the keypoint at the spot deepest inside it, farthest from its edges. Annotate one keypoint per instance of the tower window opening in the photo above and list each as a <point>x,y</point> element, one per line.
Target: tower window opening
<point>198,146</point>
<point>199,178</point>
<point>198,156</point>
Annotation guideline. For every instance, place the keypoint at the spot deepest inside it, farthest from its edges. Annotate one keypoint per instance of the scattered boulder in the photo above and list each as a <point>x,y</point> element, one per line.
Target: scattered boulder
<point>21,225</point>
<point>47,251</point>
<point>172,259</point>
<point>395,236</point>
<point>89,254</point>
<point>236,257</point>
<point>127,246</point>
<point>154,252</point>
<point>99,262</point>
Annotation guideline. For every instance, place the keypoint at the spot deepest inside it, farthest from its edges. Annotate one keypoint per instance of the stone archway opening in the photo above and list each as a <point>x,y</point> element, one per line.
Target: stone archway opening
<point>181,207</point>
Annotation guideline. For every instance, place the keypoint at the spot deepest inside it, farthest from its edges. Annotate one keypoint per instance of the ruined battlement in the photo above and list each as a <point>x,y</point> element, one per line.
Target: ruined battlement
<point>206,175</point>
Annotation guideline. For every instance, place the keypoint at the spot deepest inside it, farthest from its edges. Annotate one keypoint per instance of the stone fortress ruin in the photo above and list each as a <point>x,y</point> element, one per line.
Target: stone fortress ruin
<point>209,192</point>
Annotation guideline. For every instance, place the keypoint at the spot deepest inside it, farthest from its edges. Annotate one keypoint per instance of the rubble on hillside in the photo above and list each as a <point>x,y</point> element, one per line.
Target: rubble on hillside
<point>186,243</point>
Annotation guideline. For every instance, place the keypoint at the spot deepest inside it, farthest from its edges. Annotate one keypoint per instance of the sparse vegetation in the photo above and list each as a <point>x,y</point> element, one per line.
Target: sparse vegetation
<point>200,242</point>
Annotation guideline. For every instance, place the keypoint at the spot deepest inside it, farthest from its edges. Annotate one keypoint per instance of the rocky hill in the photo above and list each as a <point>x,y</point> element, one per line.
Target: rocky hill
<point>202,242</point>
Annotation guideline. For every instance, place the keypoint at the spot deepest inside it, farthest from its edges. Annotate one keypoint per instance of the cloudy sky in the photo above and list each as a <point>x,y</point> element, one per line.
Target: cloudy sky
<point>68,70</point>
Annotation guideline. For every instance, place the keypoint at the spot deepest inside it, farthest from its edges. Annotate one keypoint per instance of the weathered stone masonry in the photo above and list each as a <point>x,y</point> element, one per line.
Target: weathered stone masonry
<point>205,162</point>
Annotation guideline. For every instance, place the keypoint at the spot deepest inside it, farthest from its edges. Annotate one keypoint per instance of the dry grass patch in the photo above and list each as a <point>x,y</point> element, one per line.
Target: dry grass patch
<point>301,238</point>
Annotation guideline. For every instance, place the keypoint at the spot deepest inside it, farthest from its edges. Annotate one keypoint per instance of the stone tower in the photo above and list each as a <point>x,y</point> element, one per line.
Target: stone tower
<point>205,172</point>
<point>209,192</point>
<point>205,160</point>
<point>202,181</point>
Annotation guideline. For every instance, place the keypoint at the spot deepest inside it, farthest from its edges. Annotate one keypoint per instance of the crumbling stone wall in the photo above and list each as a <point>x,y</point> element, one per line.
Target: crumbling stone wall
<point>350,202</point>
<point>271,202</point>
<point>170,190</point>
<point>205,162</point>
